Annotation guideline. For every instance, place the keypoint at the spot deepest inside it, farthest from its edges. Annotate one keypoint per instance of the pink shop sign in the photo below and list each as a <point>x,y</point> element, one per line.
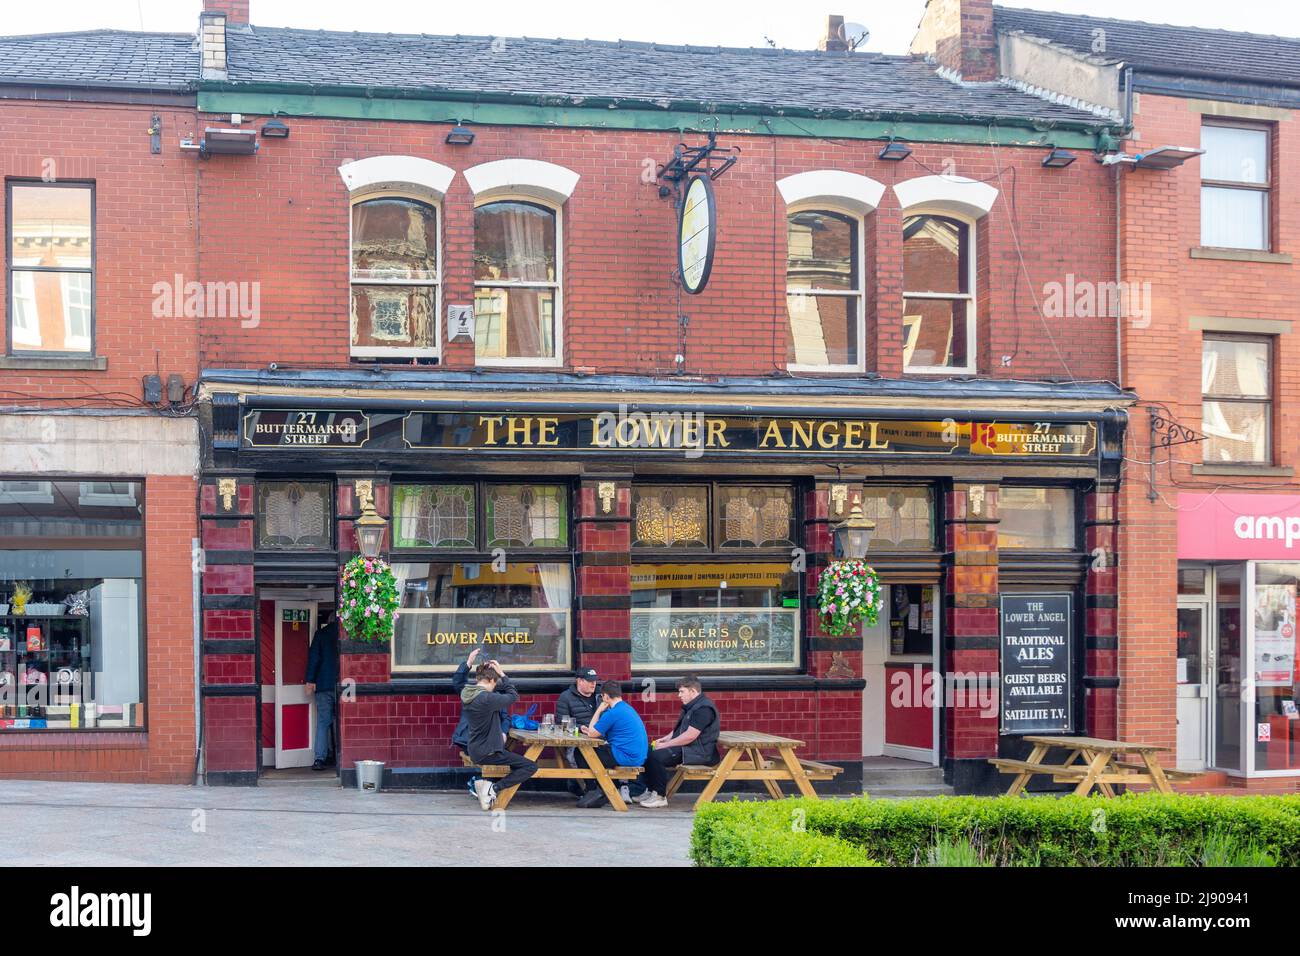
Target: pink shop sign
<point>1238,527</point>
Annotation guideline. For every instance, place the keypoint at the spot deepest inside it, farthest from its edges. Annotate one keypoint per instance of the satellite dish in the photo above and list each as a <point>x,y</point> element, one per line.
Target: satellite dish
<point>856,35</point>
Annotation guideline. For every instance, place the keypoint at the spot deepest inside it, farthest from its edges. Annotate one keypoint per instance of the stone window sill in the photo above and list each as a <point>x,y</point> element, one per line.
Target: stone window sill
<point>54,363</point>
<point>1248,471</point>
<point>1239,255</point>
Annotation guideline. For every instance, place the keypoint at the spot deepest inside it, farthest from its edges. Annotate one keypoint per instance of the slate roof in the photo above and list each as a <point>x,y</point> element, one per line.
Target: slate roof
<point>624,70</point>
<point>101,58</point>
<point>567,71</point>
<point>1160,48</point>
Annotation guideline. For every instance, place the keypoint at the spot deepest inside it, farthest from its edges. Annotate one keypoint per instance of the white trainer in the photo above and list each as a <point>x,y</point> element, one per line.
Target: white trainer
<point>625,793</point>
<point>485,792</point>
<point>652,800</point>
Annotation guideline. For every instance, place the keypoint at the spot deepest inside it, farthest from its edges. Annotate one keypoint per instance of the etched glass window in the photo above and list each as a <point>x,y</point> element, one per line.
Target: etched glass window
<point>434,516</point>
<point>1036,518</point>
<point>904,518</point>
<point>670,516</point>
<point>394,278</point>
<point>527,516</point>
<point>294,514</point>
<point>755,517</point>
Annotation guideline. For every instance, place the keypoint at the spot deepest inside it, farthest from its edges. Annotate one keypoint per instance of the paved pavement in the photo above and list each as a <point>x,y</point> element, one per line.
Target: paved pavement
<point>106,824</point>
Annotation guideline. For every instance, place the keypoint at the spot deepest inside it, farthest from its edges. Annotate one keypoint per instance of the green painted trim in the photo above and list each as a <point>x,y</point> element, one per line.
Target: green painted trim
<point>622,117</point>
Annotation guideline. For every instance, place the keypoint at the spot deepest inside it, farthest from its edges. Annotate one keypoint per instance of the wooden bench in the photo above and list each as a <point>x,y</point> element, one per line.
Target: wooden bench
<point>768,771</point>
<point>496,770</point>
<point>1092,762</point>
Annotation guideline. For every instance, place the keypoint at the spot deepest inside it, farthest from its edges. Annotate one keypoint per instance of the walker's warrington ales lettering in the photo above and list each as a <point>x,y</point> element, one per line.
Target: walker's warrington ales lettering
<point>665,430</point>
<point>737,636</point>
<point>1037,656</point>
<point>433,639</point>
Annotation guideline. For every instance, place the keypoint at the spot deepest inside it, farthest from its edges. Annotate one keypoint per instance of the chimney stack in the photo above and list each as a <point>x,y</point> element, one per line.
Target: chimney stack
<point>834,39</point>
<point>959,35</point>
<point>235,11</point>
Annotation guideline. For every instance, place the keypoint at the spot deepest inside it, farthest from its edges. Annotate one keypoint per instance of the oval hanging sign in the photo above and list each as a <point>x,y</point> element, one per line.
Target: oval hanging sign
<point>697,231</point>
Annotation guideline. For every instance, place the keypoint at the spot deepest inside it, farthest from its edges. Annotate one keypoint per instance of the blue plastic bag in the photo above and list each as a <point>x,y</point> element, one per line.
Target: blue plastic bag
<point>524,721</point>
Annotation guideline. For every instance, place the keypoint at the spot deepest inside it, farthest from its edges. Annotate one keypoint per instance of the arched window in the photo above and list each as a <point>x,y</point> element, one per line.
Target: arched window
<point>395,277</point>
<point>939,294</point>
<point>824,291</point>
<point>517,283</point>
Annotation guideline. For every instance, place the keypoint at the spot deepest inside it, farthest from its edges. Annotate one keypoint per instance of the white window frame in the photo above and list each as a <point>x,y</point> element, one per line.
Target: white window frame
<point>557,360</point>
<point>1266,187</point>
<point>79,343</point>
<point>41,494</point>
<point>88,497</point>
<point>859,222</point>
<point>382,351</point>
<point>24,323</point>
<point>971,297</point>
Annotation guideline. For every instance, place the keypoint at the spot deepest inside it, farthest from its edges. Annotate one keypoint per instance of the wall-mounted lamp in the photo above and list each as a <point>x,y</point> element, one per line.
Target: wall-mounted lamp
<point>1058,158</point>
<point>894,150</point>
<point>370,531</point>
<point>228,142</point>
<point>275,129</point>
<point>852,536</point>
<point>460,136</point>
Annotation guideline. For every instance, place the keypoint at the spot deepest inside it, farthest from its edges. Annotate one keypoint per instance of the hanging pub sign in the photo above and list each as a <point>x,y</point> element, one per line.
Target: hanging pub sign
<point>1037,664</point>
<point>697,233</point>
<point>299,428</point>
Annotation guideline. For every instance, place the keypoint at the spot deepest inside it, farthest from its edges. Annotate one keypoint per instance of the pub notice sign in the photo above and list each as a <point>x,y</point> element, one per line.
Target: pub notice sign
<point>1037,664</point>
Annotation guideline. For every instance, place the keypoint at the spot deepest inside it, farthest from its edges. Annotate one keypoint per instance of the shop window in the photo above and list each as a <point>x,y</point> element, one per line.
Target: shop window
<point>1040,519</point>
<point>1234,185</point>
<point>527,516</point>
<point>518,614</point>
<point>705,616</point>
<point>50,266</point>
<point>755,516</point>
<point>434,516</point>
<point>912,609</point>
<point>939,301</point>
<point>824,297</point>
<point>395,301</point>
<point>1277,682</point>
<point>670,516</point>
<point>294,514</point>
<point>904,517</point>
<point>1236,403</point>
<point>71,611</point>
<point>516,284</point>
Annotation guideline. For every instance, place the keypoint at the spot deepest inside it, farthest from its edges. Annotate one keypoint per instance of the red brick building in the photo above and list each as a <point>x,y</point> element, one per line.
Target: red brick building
<point>1209,511</point>
<point>440,277</point>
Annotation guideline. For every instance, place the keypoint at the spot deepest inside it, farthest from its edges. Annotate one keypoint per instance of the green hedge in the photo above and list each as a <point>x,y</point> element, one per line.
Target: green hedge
<point>1133,830</point>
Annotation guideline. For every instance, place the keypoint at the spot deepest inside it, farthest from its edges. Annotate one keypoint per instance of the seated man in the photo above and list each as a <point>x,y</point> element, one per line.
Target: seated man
<point>492,693</point>
<point>617,722</point>
<point>578,702</point>
<point>693,741</point>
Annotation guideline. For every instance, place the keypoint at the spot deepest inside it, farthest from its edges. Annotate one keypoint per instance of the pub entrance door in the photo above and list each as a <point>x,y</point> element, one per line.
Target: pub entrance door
<point>903,696</point>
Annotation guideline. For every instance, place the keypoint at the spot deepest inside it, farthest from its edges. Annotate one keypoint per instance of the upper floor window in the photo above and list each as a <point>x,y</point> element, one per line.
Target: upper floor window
<point>516,283</point>
<point>51,268</point>
<point>1040,519</point>
<point>1234,186</point>
<point>824,291</point>
<point>395,272</point>
<point>1236,403</point>
<point>939,296</point>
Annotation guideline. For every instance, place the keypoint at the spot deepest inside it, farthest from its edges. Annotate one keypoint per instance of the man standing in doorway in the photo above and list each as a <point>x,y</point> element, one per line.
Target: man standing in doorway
<point>322,681</point>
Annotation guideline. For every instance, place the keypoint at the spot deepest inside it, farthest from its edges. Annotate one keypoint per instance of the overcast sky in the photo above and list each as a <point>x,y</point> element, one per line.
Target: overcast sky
<point>752,23</point>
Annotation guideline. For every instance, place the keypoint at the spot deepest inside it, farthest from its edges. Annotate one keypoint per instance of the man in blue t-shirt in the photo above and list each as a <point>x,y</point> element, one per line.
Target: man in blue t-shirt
<point>618,723</point>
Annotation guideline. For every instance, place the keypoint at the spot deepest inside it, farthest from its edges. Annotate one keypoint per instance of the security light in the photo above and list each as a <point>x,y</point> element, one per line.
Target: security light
<point>229,142</point>
<point>895,150</point>
<point>1058,158</point>
<point>275,129</point>
<point>460,136</point>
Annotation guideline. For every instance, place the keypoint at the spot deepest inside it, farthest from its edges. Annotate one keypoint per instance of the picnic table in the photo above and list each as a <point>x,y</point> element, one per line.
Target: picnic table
<point>744,760</point>
<point>1092,762</point>
<point>535,742</point>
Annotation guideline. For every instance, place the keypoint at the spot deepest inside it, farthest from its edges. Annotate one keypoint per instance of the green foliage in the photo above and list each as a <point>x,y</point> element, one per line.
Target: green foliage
<point>1133,830</point>
<point>368,599</point>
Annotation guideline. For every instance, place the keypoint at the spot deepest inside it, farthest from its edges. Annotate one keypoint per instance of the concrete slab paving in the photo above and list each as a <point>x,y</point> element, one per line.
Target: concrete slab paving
<point>107,824</point>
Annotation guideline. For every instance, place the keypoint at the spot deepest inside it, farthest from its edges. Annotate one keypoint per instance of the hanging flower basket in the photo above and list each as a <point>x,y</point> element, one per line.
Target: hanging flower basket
<point>368,599</point>
<point>848,594</point>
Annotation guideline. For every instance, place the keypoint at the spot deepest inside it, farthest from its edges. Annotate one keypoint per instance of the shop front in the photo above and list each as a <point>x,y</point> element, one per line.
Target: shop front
<point>1236,642</point>
<point>649,538</point>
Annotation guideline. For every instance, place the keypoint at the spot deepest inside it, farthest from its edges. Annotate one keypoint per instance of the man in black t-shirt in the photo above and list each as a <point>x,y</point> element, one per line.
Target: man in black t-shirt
<point>693,741</point>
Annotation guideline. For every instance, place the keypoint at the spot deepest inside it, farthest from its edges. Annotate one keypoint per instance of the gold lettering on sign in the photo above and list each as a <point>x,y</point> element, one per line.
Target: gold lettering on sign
<point>717,439</point>
<point>520,430</point>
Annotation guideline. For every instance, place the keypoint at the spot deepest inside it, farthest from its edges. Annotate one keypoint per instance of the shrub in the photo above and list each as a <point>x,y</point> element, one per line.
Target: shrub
<point>1133,830</point>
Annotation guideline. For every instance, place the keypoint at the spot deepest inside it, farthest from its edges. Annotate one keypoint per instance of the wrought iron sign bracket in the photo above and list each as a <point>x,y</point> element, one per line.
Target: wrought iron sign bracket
<point>711,159</point>
<point>1166,433</point>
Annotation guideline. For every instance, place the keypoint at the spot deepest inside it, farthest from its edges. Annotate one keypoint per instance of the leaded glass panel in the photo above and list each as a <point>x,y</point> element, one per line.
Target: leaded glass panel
<point>527,516</point>
<point>670,516</point>
<point>294,514</point>
<point>434,516</point>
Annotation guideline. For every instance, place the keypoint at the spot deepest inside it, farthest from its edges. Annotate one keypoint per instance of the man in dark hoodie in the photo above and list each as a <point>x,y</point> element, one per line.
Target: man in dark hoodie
<point>693,741</point>
<point>483,701</point>
<point>322,680</point>
<point>460,736</point>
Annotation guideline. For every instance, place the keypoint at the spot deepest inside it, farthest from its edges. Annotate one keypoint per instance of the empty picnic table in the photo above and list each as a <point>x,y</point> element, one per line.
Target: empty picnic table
<point>744,760</point>
<point>1092,762</point>
<point>535,742</point>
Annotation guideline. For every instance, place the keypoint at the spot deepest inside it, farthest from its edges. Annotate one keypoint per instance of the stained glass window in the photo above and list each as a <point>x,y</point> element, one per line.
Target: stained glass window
<point>434,516</point>
<point>527,516</point>
<point>294,514</point>
<point>755,516</point>
<point>670,516</point>
<point>904,518</point>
